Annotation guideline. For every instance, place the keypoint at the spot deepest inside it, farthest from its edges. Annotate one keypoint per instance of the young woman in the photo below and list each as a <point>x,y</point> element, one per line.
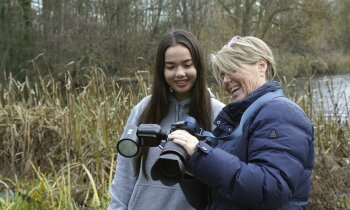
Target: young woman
<point>179,89</point>
<point>263,153</point>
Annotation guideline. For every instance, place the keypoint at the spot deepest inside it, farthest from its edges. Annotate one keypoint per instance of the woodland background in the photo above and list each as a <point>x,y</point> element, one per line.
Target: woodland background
<point>71,71</point>
<point>120,36</point>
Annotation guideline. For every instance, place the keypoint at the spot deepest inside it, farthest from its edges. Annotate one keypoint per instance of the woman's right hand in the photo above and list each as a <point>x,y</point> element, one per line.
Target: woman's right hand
<point>184,139</point>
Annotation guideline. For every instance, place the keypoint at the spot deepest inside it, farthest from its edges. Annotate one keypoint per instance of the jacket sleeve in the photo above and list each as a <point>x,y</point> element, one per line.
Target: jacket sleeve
<point>274,163</point>
<point>124,179</point>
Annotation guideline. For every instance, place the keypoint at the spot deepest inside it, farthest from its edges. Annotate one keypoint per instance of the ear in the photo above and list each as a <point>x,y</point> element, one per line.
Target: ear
<point>262,67</point>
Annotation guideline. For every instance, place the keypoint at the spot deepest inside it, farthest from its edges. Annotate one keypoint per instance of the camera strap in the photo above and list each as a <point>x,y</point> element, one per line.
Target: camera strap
<point>192,123</point>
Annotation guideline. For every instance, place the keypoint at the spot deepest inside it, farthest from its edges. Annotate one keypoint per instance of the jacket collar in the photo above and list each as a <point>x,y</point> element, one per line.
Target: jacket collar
<point>231,114</point>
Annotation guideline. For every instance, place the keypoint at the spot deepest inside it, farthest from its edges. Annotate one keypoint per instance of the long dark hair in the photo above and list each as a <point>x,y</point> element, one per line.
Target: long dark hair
<point>158,107</point>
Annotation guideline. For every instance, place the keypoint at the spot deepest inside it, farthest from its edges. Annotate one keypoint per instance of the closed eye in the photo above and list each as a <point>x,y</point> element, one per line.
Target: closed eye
<point>188,65</point>
<point>222,76</point>
<point>169,66</point>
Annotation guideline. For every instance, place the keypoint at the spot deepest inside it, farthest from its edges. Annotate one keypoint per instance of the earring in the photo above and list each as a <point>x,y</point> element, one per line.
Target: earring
<point>171,89</point>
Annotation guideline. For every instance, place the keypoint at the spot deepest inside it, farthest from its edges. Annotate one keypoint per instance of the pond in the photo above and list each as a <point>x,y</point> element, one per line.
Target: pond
<point>330,94</point>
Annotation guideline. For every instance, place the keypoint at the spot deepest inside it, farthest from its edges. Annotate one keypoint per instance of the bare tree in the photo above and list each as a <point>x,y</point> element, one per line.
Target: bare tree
<point>121,35</point>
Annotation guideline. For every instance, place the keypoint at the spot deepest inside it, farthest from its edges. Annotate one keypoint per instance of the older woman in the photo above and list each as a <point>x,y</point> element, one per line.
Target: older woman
<point>263,153</point>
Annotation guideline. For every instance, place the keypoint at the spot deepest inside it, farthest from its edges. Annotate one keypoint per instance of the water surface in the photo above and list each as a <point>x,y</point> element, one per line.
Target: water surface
<point>330,94</point>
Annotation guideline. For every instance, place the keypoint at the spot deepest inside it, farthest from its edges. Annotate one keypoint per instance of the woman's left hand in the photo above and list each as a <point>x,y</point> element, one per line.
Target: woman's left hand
<point>184,139</point>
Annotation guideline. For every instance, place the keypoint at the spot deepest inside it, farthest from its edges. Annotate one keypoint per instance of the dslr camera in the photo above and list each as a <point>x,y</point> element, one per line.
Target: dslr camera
<point>171,163</point>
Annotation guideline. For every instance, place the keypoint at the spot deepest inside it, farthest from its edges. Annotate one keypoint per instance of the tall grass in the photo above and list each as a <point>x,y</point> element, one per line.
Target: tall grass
<point>58,141</point>
<point>55,134</point>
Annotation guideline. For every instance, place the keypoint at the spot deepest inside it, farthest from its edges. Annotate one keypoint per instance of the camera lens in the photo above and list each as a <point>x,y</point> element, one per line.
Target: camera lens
<point>169,168</point>
<point>170,165</point>
<point>127,148</point>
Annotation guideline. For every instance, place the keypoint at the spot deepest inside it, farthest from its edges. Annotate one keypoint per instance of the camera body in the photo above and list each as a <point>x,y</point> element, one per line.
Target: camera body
<point>170,165</point>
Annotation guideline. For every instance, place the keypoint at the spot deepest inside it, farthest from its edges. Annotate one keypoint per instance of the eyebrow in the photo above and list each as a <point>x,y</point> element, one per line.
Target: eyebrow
<point>184,61</point>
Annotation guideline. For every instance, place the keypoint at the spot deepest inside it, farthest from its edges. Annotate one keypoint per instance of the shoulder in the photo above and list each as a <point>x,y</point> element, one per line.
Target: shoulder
<point>283,110</point>
<point>146,99</point>
<point>143,102</point>
<point>281,124</point>
<point>137,110</point>
<point>216,107</point>
<point>216,103</point>
<point>282,106</point>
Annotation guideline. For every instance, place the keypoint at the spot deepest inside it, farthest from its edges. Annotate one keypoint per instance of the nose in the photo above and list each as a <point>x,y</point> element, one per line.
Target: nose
<point>227,79</point>
<point>180,71</point>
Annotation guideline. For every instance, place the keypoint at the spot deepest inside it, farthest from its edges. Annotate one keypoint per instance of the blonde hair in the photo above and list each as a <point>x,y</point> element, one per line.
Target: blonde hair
<point>242,50</point>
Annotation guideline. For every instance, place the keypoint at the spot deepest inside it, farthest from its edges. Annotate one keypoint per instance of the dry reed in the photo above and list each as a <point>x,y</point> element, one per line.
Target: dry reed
<point>58,142</point>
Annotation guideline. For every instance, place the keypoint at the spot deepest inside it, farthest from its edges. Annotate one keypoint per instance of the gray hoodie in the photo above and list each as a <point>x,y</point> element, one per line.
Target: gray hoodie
<point>137,193</point>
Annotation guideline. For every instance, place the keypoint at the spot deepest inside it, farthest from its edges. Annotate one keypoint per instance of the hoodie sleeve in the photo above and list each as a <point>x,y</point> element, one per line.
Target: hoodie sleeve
<point>124,180</point>
<point>274,165</point>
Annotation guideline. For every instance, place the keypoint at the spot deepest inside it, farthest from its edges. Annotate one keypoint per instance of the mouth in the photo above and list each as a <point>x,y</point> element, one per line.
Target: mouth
<point>235,88</point>
<point>181,83</point>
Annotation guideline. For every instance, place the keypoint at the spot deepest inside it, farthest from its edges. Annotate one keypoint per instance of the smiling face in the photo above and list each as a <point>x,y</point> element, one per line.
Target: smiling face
<point>179,71</point>
<point>243,82</point>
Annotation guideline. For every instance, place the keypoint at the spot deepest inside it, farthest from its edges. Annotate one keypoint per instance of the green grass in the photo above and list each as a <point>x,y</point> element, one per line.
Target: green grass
<point>58,141</point>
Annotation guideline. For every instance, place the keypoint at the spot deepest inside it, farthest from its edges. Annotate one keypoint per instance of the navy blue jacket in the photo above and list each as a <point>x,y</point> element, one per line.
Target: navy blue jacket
<point>268,167</point>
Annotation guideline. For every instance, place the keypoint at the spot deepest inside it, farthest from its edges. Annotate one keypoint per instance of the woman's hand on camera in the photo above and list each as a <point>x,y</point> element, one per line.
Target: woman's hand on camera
<point>184,139</point>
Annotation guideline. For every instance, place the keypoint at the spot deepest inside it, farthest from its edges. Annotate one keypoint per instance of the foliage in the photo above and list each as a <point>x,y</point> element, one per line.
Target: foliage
<point>121,36</point>
<point>59,142</point>
<point>49,129</point>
